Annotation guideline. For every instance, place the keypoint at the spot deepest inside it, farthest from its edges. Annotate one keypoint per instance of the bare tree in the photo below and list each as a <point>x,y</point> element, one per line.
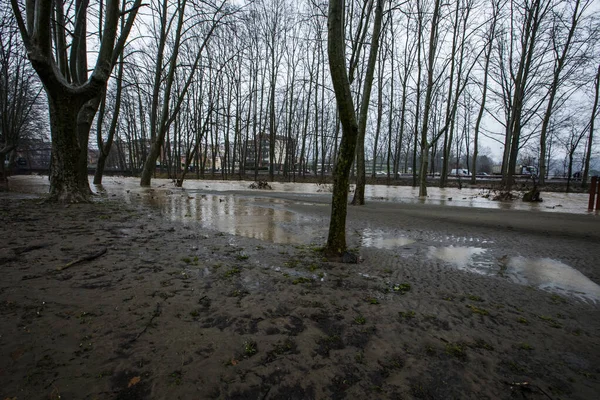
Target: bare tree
<point>336,241</point>
<point>19,92</point>
<point>359,192</point>
<point>487,55</point>
<point>68,90</point>
<point>564,44</point>
<point>522,56</point>
<point>590,138</point>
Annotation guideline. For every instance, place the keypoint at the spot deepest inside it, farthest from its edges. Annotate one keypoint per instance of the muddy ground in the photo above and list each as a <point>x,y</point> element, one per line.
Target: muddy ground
<point>113,300</point>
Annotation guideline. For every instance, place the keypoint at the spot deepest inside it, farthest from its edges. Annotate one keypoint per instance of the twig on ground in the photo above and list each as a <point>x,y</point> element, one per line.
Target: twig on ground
<point>27,249</point>
<point>155,314</point>
<point>89,257</point>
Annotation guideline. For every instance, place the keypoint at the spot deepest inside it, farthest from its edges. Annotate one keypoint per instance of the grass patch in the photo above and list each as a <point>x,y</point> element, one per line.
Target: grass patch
<point>481,344</point>
<point>233,271</point>
<point>402,288</point>
<point>359,357</point>
<point>522,320</point>
<point>472,297</point>
<point>407,314</point>
<point>556,299</point>
<point>175,378</point>
<point>525,346</point>
<point>250,348</point>
<point>372,300</point>
<point>301,280</point>
<point>477,310</point>
<point>551,321</point>
<point>291,263</point>
<point>456,350</point>
<point>360,320</point>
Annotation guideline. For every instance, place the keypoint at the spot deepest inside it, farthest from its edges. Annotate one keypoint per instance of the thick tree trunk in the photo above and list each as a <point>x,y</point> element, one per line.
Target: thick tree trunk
<point>67,183</point>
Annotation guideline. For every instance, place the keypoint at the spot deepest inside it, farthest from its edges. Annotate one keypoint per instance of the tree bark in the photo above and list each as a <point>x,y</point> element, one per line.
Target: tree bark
<point>359,193</point>
<point>336,240</point>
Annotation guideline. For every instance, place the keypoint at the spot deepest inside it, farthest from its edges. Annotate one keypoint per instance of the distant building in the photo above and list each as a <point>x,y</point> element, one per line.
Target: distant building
<point>33,154</point>
<point>283,146</point>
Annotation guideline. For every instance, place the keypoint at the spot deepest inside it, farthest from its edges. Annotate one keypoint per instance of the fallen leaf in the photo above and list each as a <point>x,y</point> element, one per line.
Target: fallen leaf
<point>134,381</point>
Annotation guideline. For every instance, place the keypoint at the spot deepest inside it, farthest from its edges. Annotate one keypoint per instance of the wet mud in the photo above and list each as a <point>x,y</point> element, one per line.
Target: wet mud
<point>164,294</point>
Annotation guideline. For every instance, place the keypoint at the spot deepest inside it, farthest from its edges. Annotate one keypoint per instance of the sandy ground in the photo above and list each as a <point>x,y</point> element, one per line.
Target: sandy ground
<point>116,300</point>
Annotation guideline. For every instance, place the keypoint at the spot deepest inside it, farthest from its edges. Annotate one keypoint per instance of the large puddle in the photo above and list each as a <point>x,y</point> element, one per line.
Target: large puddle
<point>263,219</point>
<point>542,273</point>
<point>464,258</point>
<point>383,240</point>
<point>552,275</point>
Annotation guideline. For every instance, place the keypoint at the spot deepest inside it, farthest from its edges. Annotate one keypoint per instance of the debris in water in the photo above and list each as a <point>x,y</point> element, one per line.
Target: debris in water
<point>260,185</point>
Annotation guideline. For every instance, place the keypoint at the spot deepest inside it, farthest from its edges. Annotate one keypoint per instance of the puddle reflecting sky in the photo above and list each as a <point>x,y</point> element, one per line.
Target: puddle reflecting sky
<point>460,257</point>
<point>543,273</point>
<point>383,240</point>
<point>237,215</point>
<point>553,275</point>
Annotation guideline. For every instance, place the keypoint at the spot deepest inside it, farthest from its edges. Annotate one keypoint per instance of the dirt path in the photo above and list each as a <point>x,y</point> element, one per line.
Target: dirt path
<point>165,310</point>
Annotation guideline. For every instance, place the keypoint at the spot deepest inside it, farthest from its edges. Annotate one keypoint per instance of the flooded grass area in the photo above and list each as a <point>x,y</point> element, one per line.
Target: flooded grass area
<point>478,198</point>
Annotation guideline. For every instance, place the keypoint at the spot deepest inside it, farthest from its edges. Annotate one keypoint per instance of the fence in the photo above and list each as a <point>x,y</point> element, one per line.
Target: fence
<point>594,194</point>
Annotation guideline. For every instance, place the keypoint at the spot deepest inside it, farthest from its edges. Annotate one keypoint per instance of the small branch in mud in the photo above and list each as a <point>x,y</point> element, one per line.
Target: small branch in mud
<point>88,257</point>
<point>27,249</point>
<point>155,314</point>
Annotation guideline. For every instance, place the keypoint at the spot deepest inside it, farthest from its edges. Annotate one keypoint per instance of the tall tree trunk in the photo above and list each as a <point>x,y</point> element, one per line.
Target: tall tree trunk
<point>590,140</point>
<point>104,148</point>
<point>336,240</point>
<point>359,193</point>
<point>428,101</point>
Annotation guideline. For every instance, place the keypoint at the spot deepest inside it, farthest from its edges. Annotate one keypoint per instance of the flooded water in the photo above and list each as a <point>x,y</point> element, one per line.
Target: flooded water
<point>383,240</point>
<point>553,275</point>
<point>263,219</point>
<point>454,197</point>
<point>542,273</point>
<point>230,207</point>
<point>464,258</point>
